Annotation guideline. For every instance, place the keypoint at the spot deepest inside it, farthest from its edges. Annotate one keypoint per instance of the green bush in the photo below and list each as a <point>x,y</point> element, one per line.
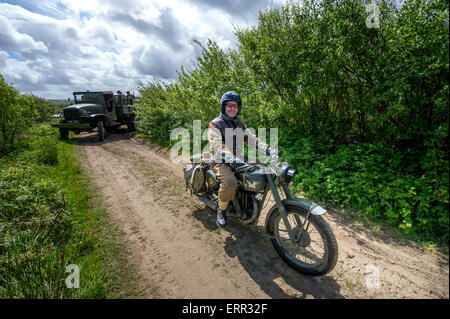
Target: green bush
<point>362,177</point>
<point>47,151</point>
<point>17,114</point>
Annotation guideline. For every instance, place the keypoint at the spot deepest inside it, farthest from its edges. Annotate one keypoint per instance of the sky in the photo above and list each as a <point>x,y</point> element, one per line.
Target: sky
<point>53,48</point>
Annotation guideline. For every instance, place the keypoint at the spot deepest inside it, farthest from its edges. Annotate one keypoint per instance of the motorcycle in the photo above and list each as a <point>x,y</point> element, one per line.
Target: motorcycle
<point>295,226</point>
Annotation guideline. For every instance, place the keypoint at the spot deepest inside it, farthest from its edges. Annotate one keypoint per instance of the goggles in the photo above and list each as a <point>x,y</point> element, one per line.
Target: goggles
<point>232,106</point>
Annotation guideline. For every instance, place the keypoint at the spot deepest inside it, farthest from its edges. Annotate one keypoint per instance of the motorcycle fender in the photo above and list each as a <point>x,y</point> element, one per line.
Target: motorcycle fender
<point>303,203</point>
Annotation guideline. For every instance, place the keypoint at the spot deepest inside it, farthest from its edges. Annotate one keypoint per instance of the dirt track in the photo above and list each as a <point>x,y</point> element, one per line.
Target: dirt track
<point>180,253</point>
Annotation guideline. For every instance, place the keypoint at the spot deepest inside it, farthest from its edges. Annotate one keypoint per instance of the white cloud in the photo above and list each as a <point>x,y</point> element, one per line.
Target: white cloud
<point>12,40</point>
<point>52,48</point>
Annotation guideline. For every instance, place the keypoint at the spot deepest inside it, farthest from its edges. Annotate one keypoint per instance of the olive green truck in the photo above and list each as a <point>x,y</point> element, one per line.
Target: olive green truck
<point>101,110</point>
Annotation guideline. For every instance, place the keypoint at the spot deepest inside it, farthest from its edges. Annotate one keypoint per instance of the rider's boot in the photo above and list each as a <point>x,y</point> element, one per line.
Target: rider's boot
<point>221,220</point>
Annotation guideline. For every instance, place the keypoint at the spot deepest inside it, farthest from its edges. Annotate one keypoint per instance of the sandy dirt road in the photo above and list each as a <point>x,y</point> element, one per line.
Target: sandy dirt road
<point>179,252</point>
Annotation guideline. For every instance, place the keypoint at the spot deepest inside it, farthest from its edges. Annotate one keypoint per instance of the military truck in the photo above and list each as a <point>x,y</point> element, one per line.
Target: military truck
<point>101,110</point>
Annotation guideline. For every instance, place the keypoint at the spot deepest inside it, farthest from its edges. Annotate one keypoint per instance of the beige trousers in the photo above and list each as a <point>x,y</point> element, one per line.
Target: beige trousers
<point>228,184</point>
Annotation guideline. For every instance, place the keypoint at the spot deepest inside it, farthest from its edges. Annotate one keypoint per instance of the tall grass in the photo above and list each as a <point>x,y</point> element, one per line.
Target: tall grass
<point>48,221</point>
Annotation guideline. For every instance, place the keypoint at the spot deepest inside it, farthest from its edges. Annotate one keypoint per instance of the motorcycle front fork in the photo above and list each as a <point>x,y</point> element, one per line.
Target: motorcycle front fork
<point>292,236</point>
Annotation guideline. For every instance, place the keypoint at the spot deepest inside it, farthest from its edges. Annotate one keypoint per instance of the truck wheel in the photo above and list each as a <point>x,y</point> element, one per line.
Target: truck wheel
<point>64,133</point>
<point>131,127</point>
<point>100,131</point>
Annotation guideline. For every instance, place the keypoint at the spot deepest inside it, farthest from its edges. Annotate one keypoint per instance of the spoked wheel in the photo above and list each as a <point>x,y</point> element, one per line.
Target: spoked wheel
<point>315,250</point>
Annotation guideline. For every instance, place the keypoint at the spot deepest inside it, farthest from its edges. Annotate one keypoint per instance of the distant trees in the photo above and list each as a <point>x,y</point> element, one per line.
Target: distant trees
<point>45,109</point>
<point>18,112</point>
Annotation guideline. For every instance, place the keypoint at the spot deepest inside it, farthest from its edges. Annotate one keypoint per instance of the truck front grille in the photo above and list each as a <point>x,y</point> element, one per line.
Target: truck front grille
<point>71,114</point>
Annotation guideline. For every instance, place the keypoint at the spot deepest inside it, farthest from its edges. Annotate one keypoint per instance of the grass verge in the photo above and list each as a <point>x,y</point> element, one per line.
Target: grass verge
<point>55,238</point>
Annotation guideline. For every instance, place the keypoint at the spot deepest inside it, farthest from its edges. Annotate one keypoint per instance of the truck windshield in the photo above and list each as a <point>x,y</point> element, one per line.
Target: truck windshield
<point>91,97</point>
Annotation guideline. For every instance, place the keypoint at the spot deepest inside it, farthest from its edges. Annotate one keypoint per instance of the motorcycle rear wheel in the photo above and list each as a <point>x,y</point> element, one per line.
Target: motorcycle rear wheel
<point>315,252</point>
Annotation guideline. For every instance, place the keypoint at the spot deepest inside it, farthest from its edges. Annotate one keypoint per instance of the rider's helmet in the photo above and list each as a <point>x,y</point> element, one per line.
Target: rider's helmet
<point>230,96</point>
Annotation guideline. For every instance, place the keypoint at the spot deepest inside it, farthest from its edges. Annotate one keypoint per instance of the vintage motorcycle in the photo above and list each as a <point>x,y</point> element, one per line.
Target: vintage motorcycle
<point>300,235</point>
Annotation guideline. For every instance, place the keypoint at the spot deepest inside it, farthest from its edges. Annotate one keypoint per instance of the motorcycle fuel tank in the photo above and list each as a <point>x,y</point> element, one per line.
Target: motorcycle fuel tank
<point>254,181</point>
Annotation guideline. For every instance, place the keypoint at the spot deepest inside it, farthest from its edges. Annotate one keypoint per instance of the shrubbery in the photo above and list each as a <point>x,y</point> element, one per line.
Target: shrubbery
<point>19,112</point>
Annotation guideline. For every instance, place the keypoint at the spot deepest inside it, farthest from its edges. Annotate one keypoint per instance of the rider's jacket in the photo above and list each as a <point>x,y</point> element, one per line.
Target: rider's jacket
<point>218,129</point>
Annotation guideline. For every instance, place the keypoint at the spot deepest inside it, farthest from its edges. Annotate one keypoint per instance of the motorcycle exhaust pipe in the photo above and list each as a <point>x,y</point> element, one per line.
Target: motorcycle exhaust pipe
<point>208,202</point>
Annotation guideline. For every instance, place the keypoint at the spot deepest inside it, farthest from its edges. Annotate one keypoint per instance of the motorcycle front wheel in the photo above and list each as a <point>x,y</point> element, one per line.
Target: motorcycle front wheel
<point>315,251</point>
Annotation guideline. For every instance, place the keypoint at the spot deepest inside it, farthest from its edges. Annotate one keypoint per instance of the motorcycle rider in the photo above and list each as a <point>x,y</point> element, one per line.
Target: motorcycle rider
<point>218,129</point>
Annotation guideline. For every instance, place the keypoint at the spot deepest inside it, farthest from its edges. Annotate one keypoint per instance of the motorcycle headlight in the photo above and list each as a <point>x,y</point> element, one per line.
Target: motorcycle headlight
<point>286,173</point>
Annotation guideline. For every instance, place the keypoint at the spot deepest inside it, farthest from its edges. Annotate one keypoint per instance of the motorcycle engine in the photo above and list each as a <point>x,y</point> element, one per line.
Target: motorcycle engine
<point>249,205</point>
<point>211,180</point>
